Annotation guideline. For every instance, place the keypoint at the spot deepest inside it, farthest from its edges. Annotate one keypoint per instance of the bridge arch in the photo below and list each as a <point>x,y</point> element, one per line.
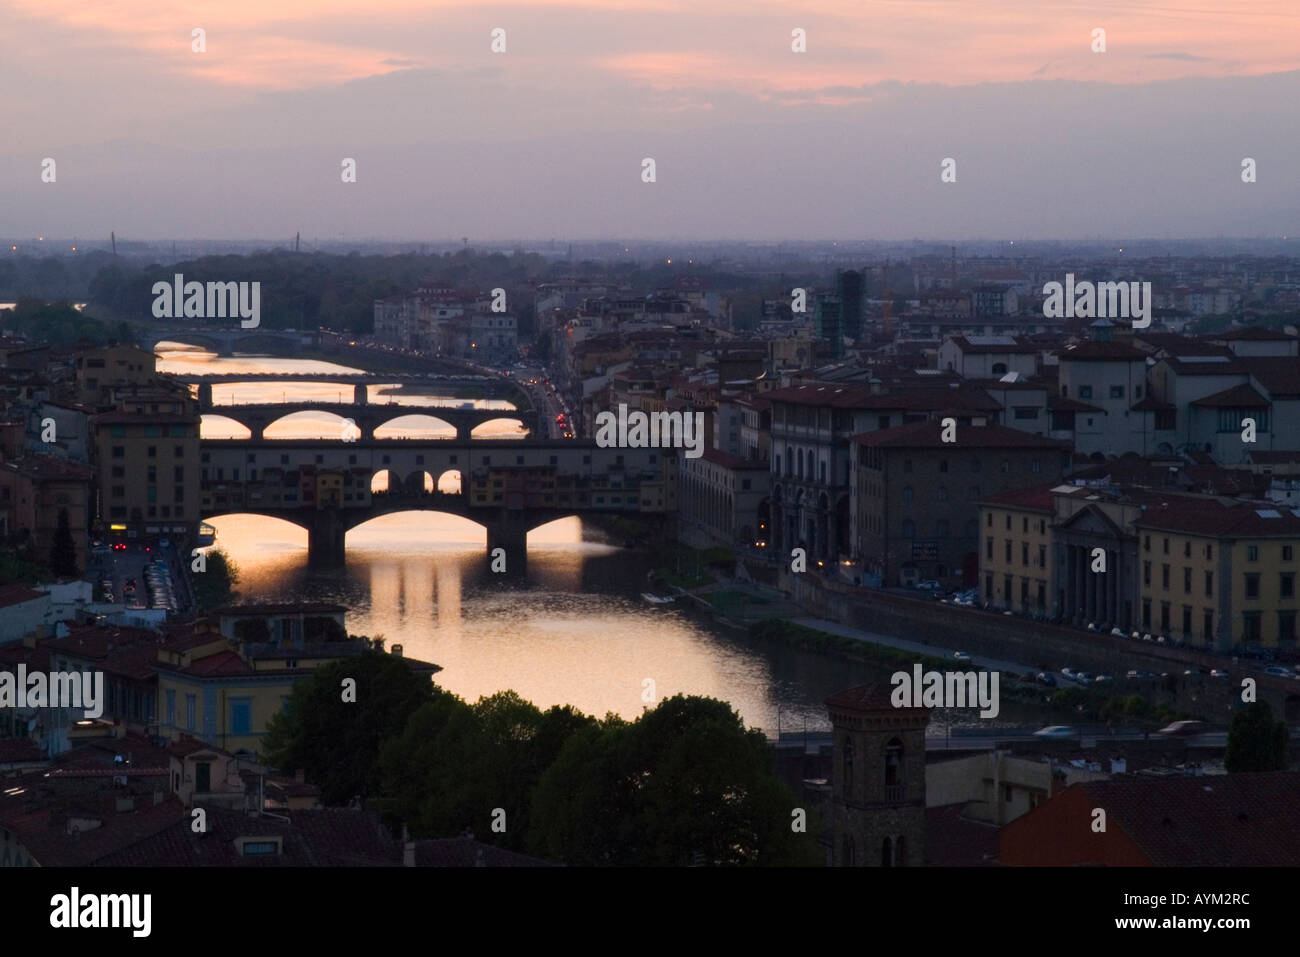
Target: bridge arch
<point>385,480</point>
<point>212,426</point>
<point>450,482</point>
<point>502,427</point>
<point>308,424</point>
<point>415,426</point>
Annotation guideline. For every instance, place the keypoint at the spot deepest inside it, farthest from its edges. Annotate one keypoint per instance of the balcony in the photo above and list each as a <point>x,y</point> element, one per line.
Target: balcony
<point>894,793</point>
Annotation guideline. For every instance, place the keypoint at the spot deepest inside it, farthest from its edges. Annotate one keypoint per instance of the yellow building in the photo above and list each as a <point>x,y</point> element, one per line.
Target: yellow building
<point>1209,571</point>
<point>224,692</point>
<point>1016,550</point>
<point>1221,576</point>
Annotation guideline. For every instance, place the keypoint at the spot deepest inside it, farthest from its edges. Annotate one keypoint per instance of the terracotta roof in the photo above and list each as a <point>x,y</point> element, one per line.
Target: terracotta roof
<point>1038,499</point>
<point>1230,820</point>
<point>1059,403</point>
<point>1208,517</point>
<point>874,696</point>
<point>327,837</point>
<point>467,852</point>
<point>928,434</point>
<point>1237,397</point>
<point>1151,404</point>
<point>954,840</point>
<point>1280,375</point>
<point>1101,352</point>
<point>1256,334</point>
<point>17,595</point>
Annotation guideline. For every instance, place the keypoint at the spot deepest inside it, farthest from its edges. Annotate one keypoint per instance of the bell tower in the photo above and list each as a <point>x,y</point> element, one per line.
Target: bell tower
<point>878,779</point>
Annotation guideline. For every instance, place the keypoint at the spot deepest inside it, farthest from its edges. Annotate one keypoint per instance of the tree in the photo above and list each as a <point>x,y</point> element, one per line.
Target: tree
<point>685,784</point>
<point>214,586</point>
<point>1255,741</point>
<point>337,742</point>
<point>63,554</point>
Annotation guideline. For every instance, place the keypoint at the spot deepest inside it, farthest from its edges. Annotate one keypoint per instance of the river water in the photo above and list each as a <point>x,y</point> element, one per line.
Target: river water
<point>576,633</point>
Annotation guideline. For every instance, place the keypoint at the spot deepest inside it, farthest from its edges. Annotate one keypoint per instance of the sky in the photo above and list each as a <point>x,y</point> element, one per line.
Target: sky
<point>750,139</point>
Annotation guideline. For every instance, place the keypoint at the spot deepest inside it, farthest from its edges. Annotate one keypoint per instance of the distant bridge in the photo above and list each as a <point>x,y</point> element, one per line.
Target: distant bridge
<point>508,486</point>
<point>226,340</point>
<point>368,417</point>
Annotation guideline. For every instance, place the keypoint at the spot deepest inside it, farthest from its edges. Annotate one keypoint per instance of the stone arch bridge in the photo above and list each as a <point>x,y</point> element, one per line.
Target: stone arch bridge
<point>508,486</point>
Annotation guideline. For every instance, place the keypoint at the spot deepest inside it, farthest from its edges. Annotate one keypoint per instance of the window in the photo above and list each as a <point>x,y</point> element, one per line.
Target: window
<point>973,494</point>
<point>1286,585</point>
<point>1286,626</point>
<point>1146,543</point>
<point>1209,552</point>
<point>976,464</point>
<point>1187,581</point>
<point>907,465</point>
<point>988,587</point>
<point>1035,466</point>
<point>1288,552</point>
<point>989,519</point>
<point>1117,392</point>
<point>241,715</point>
<point>1024,524</point>
<point>189,712</point>
<point>1007,522</point>
<point>1250,626</point>
<point>907,495</point>
<point>1042,556</point>
<point>1004,466</point>
<point>170,711</point>
<point>1252,553</point>
<point>1187,549</point>
<point>153,451</point>
<point>909,528</point>
<point>1209,584</point>
<point>893,763</point>
<point>941,528</point>
<point>988,549</point>
<point>1085,392</point>
<point>1007,551</point>
<point>1252,585</point>
<point>1166,546</point>
<point>943,465</point>
<point>1187,619</point>
<point>1025,412</point>
<point>252,848</point>
<point>941,493</point>
<point>1164,577</point>
<point>1146,574</point>
<point>1208,624</point>
<point>1006,589</point>
<point>848,767</point>
<point>1164,617</point>
<point>1024,553</point>
<point>1146,612</point>
<point>119,452</point>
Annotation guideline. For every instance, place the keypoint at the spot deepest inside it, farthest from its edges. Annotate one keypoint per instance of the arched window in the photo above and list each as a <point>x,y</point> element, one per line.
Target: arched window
<point>999,368</point>
<point>907,495</point>
<point>909,528</point>
<point>941,493</point>
<point>893,763</point>
<point>900,852</point>
<point>887,852</point>
<point>848,851</point>
<point>941,531</point>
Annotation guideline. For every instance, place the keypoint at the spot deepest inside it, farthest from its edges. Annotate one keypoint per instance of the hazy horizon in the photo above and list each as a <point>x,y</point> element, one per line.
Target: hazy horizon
<point>752,141</point>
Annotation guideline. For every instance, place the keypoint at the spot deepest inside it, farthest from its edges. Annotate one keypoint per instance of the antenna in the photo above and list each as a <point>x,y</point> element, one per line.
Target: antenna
<point>113,237</point>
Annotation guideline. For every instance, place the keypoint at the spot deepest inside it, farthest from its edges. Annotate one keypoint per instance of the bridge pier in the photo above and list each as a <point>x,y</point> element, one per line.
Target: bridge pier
<point>205,396</point>
<point>509,532</point>
<point>360,394</point>
<point>325,539</point>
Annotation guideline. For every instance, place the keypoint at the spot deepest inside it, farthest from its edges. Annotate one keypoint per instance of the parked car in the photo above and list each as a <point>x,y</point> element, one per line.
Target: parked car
<point>1101,678</point>
<point>1278,671</point>
<point>1083,677</point>
<point>1183,728</point>
<point>1057,731</point>
<point>961,656</point>
<point>1044,678</point>
<point>1068,672</point>
<point>929,585</point>
<point>1218,673</point>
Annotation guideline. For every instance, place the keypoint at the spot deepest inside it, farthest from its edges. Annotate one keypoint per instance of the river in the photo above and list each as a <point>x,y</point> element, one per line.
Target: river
<point>575,633</point>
